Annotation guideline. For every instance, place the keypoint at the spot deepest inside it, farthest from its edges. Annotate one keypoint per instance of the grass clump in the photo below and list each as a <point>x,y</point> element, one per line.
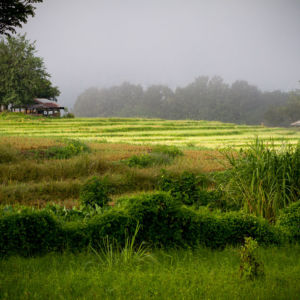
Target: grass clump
<point>160,155</point>
<point>70,149</point>
<point>170,151</point>
<point>8,153</point>
<point>111,254</point>
<point>148,160</point>
<point>262,179</point>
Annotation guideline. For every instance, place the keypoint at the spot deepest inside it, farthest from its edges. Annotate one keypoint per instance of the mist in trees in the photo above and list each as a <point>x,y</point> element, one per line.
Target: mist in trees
<point>203,99</point>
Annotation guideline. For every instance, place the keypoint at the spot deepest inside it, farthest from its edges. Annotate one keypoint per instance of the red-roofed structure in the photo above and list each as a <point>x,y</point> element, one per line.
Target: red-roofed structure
<point>40,106</point>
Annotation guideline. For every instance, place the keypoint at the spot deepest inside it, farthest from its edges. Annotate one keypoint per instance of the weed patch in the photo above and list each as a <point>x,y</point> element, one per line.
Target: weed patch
<point>263,179</point>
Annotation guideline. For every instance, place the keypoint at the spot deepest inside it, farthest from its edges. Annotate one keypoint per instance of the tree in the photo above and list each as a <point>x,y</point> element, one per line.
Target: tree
<point>23,75</point>
<point>15,12</point>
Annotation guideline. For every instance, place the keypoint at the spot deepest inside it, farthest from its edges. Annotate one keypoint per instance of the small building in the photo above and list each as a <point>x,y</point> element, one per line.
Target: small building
<point>296,123</point>
<point>42,107</point>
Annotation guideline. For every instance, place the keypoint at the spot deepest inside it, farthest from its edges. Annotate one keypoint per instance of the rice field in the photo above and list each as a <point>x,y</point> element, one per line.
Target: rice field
<point>28,181</point>
<point>182,133</point>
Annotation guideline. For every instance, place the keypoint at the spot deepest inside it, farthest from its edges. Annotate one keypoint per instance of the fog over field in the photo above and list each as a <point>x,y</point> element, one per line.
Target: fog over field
<point>102,43</point>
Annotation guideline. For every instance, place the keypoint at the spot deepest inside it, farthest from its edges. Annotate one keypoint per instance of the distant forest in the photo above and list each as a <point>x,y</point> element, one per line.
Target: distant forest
<point>204,99</point>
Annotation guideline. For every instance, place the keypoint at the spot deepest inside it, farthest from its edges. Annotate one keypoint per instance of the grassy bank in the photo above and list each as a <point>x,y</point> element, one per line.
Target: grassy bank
<point>180,274</point>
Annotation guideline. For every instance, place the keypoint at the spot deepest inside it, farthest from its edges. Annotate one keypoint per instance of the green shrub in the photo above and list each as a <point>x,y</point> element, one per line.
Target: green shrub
<point>94,193</point>
<point>210,198</point>
<point>239,225</point>
<point>251,267</point>
<point>185,187</point>
<point>217,231</point>
<point>157,215</point>
<point>163,222</point>
<point>263,179</point>
<point>29,233</point>
<point>8,154</point>
<point>75,236</point>
<point>289,220</point>
<point>112,224</point>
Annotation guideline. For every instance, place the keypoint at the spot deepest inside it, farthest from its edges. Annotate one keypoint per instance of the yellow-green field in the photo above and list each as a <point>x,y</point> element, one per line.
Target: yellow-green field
<point>186,133</point>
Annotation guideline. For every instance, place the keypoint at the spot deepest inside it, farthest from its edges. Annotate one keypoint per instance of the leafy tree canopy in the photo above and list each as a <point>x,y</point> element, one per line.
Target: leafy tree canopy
<point>23,75</point>
<point>15,12</point>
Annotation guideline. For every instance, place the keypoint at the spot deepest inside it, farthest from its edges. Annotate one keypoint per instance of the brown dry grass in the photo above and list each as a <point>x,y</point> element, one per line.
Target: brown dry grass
<point>36,183</point>
<point>28,143</point>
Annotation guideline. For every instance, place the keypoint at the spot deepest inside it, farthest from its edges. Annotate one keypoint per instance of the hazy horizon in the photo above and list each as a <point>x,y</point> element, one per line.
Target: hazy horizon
<point>104,43</point>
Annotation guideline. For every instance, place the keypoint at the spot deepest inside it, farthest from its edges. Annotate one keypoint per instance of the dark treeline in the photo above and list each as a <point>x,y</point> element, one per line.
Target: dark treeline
<point>204,99</point>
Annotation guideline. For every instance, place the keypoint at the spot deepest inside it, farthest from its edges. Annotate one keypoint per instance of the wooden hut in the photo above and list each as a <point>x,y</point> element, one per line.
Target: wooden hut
<point>40,106</point>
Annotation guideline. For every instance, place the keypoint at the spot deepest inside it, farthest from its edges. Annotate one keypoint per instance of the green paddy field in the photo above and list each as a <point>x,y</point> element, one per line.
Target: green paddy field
<point>186,133</point>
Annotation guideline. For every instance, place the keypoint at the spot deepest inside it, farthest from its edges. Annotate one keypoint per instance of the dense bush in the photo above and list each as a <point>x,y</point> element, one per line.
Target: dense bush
<point>211,198</point>
<point>94,193</point>
<point>163,222</point>
<point>29,233</point>
<point>112,224</point>
<point>225,229</point>
<point>157,215</point>
<point>185,187</point>
<point>289,219</point>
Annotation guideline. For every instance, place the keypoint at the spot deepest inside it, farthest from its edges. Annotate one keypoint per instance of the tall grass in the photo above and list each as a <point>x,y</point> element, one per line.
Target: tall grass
<point>111,254</point>
<point>263,178</point>
<point>8,153</point>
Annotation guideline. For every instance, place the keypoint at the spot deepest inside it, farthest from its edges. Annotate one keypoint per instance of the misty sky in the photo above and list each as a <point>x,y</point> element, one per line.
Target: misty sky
<point>105,42</point>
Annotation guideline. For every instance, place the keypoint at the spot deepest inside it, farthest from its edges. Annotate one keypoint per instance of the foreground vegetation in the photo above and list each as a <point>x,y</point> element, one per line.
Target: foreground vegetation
<point>146,221</point>
<point>178,274</point>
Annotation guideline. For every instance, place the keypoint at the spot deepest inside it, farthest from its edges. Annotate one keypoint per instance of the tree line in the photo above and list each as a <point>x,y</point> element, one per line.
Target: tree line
<point>203,99</point>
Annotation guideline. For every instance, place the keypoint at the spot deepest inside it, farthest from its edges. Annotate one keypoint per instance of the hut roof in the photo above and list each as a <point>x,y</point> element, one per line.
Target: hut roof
<point>45,103</point>
<point>297,123</point>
